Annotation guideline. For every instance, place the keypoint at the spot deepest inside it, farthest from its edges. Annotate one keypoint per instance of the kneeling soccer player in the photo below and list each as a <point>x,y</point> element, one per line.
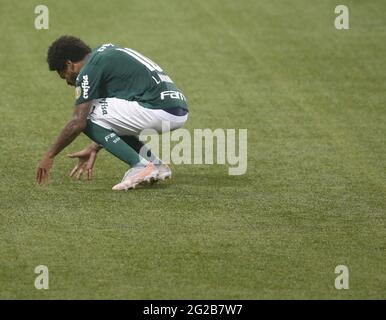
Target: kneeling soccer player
<point>119,93</point>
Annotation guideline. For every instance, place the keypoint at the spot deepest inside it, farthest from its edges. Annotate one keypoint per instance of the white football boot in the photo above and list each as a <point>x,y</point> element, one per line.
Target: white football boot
<point>137,175</point>
<point>164,171</point>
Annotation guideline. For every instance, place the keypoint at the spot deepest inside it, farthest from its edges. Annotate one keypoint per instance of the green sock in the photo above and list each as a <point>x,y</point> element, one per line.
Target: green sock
<point>137,145</point>
<point>113,144</point>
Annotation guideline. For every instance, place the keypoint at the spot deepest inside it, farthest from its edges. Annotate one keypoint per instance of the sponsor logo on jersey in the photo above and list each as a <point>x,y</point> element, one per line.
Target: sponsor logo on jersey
<point>85,86</point>
<point>172,95</point>
<point>104,105</point>
<point>78,92</point>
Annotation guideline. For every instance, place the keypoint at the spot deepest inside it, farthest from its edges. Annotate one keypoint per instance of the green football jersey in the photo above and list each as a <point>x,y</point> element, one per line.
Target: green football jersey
<point>114,72</point>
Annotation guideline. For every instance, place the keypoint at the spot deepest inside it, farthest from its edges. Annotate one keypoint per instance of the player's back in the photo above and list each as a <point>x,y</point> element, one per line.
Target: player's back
<point>124,73</point>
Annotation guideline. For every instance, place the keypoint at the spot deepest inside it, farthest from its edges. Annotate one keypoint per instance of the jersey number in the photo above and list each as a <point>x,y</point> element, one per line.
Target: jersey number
<point>152,66</point>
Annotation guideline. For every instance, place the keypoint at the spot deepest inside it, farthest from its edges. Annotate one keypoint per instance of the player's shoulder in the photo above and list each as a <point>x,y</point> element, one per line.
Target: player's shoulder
<point>104,51</point>
<point>97,58</point>
<point>100,53</point>
<point>104,55</point>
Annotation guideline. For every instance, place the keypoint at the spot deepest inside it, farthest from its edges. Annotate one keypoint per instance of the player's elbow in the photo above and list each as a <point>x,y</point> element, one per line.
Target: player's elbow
<point>82,124</point>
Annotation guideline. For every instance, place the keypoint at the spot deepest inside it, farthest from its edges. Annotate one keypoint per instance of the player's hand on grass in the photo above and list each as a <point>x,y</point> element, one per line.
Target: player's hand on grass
<point>43,173</point>
<point>86,161</point>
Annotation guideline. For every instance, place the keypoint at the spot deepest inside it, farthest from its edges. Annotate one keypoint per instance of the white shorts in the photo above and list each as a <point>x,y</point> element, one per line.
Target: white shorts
<point>127,118</point>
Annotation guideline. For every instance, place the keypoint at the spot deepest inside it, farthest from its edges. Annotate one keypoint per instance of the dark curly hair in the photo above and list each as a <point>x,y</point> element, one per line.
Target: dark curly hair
<point>66,48</point>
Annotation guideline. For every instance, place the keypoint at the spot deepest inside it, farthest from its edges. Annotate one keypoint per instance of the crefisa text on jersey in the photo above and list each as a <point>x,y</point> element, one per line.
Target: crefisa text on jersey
<point>85,86</point>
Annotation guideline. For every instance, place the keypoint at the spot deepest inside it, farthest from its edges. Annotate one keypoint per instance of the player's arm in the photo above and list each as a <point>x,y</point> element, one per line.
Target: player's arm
<point>72,129</point>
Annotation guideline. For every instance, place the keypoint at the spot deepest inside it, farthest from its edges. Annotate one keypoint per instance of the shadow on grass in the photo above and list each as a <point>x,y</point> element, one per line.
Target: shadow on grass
<point>214,179</point>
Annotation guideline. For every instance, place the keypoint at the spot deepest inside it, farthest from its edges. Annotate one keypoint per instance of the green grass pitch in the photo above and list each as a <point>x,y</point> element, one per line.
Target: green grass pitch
<point>313,100</point>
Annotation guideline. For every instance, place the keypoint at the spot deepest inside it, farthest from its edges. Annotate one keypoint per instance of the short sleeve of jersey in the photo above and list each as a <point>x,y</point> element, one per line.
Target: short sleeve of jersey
<point>88,84</point>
